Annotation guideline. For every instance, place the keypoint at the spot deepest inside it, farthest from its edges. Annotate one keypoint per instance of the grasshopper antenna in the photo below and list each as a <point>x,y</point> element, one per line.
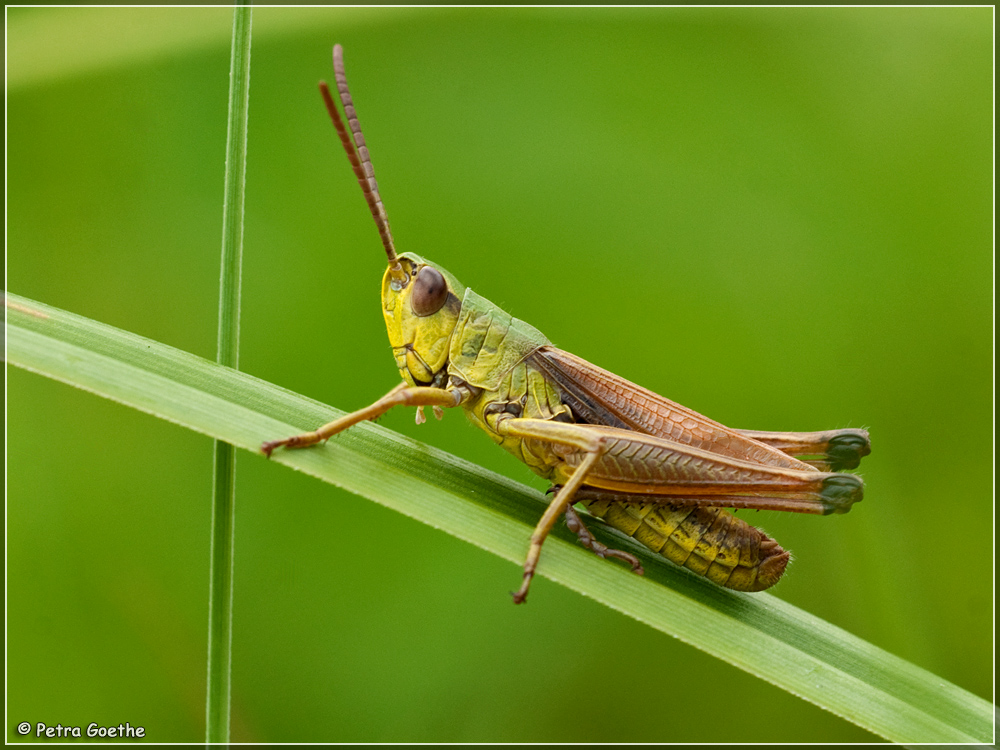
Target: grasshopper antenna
<point>357,154</point>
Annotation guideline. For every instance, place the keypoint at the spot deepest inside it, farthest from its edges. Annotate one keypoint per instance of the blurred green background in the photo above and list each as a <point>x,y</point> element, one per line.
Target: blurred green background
<point>778,217</point>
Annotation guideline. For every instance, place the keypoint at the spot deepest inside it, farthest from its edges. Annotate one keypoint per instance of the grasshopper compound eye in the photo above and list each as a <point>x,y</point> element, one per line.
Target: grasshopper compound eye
<point>430,291</point>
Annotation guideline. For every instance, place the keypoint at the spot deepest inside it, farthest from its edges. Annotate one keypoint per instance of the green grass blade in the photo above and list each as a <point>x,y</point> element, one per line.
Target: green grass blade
<point>756,632</point>
<point>220,595</point>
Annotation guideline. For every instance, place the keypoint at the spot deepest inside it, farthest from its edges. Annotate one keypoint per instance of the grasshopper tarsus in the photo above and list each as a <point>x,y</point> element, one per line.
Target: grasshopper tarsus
<point>295,441</point>
<point>269,447</point>
<point>521,595</point>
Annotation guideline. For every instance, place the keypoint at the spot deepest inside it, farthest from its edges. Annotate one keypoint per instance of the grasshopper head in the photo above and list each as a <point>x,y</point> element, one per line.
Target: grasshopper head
<point>420,302</point>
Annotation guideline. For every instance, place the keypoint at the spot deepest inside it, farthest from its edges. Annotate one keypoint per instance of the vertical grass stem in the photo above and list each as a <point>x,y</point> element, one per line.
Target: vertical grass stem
<point>220,600</point>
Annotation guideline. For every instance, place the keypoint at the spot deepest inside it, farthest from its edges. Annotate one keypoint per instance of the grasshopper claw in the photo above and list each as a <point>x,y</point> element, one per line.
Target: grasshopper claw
<point>521,595</point>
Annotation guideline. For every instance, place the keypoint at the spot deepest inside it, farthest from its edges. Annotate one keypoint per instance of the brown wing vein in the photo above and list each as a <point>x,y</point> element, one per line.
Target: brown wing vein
<point>599,397</point>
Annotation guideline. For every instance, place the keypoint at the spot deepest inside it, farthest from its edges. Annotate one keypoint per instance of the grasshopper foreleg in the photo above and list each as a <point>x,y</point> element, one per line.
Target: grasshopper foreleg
<point>575,524</point>
<point>401,395</point>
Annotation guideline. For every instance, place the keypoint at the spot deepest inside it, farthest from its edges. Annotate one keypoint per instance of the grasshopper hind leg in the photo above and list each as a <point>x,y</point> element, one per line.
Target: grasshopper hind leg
<point>831,450</point>
<point>588,540</point>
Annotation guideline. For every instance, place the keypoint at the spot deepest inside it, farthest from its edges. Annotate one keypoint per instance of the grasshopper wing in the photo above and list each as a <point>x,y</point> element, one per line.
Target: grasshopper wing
<point>599,397</point>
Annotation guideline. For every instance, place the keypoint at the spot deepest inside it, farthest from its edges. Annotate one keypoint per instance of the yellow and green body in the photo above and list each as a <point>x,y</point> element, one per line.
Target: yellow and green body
<point>645,465</point>
<point>651,468</point>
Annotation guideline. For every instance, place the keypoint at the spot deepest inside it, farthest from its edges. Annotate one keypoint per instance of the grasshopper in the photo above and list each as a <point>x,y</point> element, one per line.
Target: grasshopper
<point>651,468</point>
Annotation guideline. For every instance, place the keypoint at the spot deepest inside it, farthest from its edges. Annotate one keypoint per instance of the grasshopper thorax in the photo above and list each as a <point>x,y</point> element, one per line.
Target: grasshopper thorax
<point>421,307</point>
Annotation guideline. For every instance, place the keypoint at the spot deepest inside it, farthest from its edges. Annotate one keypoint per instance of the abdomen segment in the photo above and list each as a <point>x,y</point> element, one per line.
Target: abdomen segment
<point>708,541</point>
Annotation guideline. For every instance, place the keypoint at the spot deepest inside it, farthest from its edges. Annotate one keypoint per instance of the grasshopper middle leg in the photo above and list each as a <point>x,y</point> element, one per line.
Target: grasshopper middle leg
<point>591,446</point>
<point>562,500</point>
